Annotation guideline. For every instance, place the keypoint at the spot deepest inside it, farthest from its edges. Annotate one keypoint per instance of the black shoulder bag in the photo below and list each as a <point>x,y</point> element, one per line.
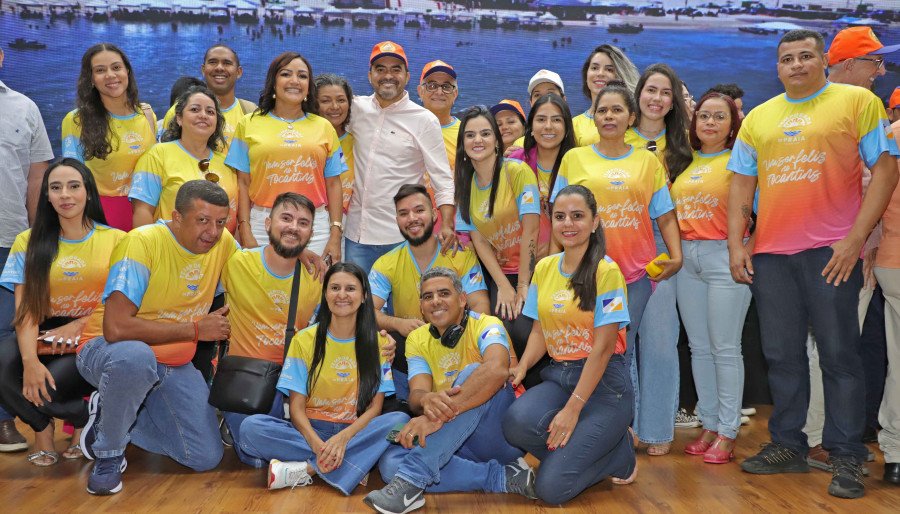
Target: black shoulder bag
<point>247,385</point>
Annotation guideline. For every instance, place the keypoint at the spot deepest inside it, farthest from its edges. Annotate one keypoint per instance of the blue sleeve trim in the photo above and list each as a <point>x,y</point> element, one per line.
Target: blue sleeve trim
<point>418,366</point>
<point>462,226</point>
<point>14,271</point>
<point>335,164</point>
<point>238,156</point>
<point>530,308</point>
<point>380,284</point>
<point>473,280</point>
<point>72,147</point>
<point>660,203</point>
<point>294,375</point>
<point>875,143</point>
<point>743,159</point>
<point>130,278</point>
<point>492,334</point>
<point>146,187</point>
<point>387,380</point>
<point>529,201</point>
<point>611,307</point>
<point>558,186</point>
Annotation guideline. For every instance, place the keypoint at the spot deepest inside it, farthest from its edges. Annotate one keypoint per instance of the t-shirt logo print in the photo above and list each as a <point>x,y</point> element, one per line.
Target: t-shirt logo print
<point>192,274</point>
<point>792,125</point>
<point>617,178</point>
<point>343,367</point>
<point>560,299</point>
<point>133,140</point>
<point>70,266</point>
<point>290,137</point>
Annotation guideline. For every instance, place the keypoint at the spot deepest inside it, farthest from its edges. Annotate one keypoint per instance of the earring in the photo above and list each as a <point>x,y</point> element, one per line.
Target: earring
<point>273,95</point>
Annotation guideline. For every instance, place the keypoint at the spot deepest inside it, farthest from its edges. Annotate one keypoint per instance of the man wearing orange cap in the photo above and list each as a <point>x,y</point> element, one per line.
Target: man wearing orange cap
<point>396,142</point>
<point>805,149</point>
<point>855,57</point>
<point>893,106</point>
<point>438,91</point>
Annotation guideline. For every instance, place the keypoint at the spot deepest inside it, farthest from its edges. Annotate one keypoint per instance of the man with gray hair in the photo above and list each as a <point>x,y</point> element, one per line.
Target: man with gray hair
<point>161,284</point>
<point>458,369</point>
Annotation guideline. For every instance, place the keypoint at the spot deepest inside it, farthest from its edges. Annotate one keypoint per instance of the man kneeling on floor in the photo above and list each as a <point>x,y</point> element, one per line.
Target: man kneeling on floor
<point>161,284</point>
<point>458,368</point>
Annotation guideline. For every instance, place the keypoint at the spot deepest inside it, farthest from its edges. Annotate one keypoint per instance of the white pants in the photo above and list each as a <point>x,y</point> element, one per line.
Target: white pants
<point>321,228</point>
<point>889,413</point>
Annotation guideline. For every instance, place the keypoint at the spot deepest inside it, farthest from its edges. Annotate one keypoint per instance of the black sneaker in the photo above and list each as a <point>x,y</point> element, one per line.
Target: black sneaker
<point>846,478</point>
<point>520,479</point>
<point>89,432</point>
<point>775,458</point>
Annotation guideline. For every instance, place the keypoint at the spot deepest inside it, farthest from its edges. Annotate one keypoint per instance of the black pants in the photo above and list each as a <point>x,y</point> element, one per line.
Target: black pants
<point>66,401</point>
<point>208,352</point>
<point>518,329</point>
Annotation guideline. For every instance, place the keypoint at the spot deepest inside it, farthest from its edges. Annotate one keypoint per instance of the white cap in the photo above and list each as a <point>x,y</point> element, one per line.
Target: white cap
<point>546,76</point>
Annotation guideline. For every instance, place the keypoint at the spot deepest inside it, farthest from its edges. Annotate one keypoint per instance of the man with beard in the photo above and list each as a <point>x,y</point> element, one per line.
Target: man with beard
<point>257,285</point>
<point>221,70</point>
<point>394,141</point>
<point>395,275</point>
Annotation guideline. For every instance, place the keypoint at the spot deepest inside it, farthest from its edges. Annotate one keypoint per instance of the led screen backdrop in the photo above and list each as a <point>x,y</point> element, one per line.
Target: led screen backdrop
<point>495,45</point>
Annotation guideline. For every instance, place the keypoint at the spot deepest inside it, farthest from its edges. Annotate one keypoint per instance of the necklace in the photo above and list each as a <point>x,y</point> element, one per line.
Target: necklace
<point>290,123</point>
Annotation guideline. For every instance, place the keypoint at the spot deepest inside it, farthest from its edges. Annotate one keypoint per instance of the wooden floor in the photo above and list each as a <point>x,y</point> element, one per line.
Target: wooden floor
<point>673,483</point>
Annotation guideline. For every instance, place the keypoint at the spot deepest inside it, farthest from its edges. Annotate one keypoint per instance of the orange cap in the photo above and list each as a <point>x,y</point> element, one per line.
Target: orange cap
<point>388,49</point>
<point>508,104</point>
<point>894,101</point>
<point>437,67</point>
<point>856,42</point>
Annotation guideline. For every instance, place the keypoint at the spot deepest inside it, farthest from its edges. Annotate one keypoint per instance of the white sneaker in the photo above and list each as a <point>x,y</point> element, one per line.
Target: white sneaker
<point>287,474</point>
<point>748,411</point>
<point>745,420</point>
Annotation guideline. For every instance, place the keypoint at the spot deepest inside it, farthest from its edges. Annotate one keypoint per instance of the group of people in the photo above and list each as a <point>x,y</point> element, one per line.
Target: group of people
<point>523,292</point>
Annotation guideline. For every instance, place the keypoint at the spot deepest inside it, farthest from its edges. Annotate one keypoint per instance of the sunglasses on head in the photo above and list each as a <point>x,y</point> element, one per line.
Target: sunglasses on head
<point>204,169</point>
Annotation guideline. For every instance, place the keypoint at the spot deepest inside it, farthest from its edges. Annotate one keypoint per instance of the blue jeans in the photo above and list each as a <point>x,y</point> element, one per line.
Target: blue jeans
<point>233,421</point>
<point>638,295</point>
<point>265,438</point>
<point>162,409</point>
<point>791,294</point>
<point>600,446</point>
<point>466,454</point>
<point>713,307</point>
<point>364,255</point>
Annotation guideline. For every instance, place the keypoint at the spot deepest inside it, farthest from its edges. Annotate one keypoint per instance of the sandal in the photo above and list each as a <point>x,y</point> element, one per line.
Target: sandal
<point>659,449</point>
<point>73,452</point>
<point>38,458</point>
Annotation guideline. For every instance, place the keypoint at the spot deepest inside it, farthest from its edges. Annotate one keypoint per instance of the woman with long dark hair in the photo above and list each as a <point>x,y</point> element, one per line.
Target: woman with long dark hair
<point>604,64</point>
<point>548,136</point>
<point>629,184</point>
<point>336,381</point>
<point>576,420</point>
<point>335,100</point>
<point>57,270</point>
<point>712,305</point>
<point>286,146</point>
<point>499,206</point>
<point>109,129</point>
<point>662,120</point>
<point>192,148</point>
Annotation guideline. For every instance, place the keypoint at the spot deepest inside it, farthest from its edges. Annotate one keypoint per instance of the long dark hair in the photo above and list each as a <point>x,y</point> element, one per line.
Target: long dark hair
<point>568,141</point>
<point>626,71</point>
<point>368,363</point>
<point>216,140</point>
<point>43,243</point>
<point>267,98</point>
<point>465,170</point>
<point>584,281</point>
<point>735,120</point>
<point>678,149</point>
<point>91,115</point>
<point>331,79</point>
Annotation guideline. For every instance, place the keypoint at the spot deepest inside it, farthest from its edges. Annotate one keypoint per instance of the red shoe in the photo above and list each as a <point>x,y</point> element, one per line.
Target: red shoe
<point>701,444</point>
<point>716,454</point>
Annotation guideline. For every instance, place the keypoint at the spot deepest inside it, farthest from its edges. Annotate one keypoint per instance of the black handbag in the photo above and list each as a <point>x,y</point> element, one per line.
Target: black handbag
<point>247,385</point>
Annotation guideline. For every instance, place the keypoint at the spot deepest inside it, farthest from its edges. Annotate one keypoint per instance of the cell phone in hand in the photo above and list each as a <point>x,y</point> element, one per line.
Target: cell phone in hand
<point>394,435</point>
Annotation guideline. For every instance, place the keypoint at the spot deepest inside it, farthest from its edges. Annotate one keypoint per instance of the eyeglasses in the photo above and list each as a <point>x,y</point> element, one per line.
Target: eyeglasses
<point>718,117</point>
<point>877,61</point>
<point>434,86</point>
<point>208,175</point>
<point>651,145</point>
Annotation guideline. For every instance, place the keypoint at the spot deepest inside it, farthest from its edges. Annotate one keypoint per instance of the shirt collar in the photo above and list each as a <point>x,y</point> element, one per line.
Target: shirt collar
<point>394,105</point>
<point>3,87</point>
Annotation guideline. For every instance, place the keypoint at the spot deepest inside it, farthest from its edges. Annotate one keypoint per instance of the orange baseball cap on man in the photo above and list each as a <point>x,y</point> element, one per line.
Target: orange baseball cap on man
<point>388,49</point>
<point>894,100</point>
<point>854,42</point>
<point>437,67</point>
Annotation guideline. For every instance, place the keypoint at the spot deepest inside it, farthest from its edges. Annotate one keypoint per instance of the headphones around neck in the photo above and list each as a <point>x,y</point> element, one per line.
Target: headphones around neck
<point>454,332</point>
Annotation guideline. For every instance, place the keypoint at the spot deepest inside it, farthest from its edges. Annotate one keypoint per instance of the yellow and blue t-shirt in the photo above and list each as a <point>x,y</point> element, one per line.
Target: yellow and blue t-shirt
<point>630,191</point>
<point>808,154</point>
<point>700,194</point>
<point>586,132</point>
<point>395,277</point>
<point>347,176</point>
<point>450,132</point>
<point>569,331</point>
<point>258,301</point>
<point>77,274</point>
<point>161,171</point>
<point>232,115</point>
<point>167,282</point>
<point>280,159</point>
<point>335,390</point>
<point>634,138</point>
<point>131,136</point>
<point>517,195</point>
<point>425,355</point>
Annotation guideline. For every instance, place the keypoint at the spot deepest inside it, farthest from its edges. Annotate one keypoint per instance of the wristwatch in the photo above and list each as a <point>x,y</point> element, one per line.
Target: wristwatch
<point>338,224</point>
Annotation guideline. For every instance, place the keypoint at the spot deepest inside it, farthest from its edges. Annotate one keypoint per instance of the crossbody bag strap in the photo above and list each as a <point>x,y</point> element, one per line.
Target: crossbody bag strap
<point>151,118</point>
<point>292,309</point>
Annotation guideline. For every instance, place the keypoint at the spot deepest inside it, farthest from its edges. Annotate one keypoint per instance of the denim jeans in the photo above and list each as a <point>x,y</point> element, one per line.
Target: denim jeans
<point>638,293</point>
<point>233,421</point>
<point>713,307</point>
<point>364,255</point>
<point>792,295</point>
<point>162,409</point>
<point>265,438</point>
<point>599,447</point>
<point>466,454</point>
